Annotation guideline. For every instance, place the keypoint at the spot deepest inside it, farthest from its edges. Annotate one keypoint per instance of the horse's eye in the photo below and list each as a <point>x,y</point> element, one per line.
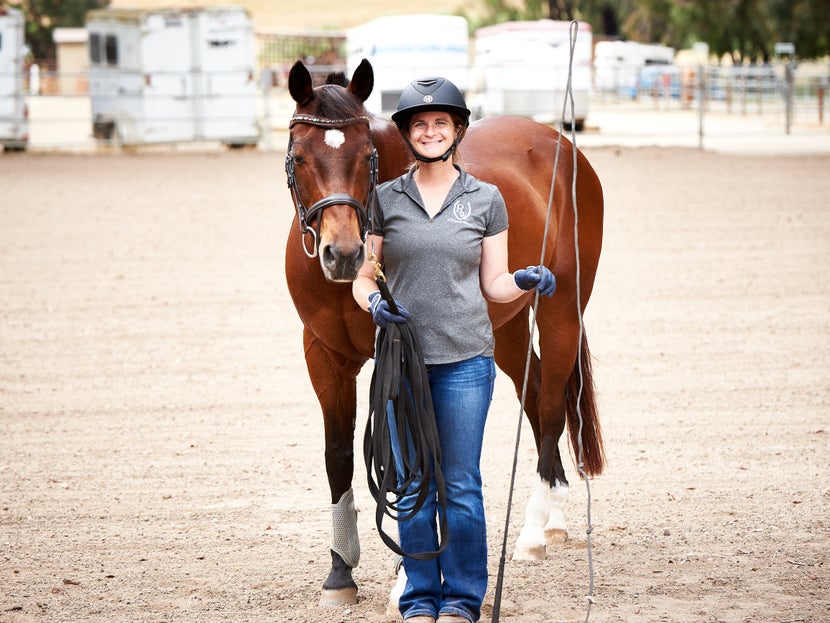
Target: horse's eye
<point>297,159</point>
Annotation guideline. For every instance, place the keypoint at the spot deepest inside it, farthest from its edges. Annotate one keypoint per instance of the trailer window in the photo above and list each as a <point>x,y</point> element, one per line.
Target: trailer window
<point>111,48</point>
<point>94,47</point>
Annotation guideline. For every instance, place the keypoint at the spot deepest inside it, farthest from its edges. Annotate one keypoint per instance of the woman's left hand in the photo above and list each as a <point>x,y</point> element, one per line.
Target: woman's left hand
<point>538,277</point>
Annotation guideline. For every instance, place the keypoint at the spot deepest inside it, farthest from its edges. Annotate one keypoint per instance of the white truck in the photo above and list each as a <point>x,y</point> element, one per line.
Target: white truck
<point>521,68</point>
<point>403,48</point>
<point>173,75</point>
<point>618,65</point>
<point>14,111</point>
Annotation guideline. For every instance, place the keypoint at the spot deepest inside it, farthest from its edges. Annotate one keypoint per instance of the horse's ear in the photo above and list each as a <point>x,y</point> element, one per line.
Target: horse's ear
<point>299,83</point>
<point>363,80</point>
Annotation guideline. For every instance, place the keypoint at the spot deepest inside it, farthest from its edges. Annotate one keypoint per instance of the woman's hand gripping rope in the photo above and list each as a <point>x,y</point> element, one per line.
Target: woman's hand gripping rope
<point>538,277</point>
<point>384,311</point>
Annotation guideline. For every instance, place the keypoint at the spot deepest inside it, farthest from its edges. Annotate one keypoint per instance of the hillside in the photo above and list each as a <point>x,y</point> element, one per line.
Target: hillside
<point>293,15</point>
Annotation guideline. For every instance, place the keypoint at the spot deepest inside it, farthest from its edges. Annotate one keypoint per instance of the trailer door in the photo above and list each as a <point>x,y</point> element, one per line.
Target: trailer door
<point>223,60</point>
<point>169,82</point>
<point>14,127</point>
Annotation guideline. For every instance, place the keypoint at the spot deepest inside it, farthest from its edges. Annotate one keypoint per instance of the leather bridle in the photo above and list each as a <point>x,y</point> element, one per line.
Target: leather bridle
<point>306,215</point>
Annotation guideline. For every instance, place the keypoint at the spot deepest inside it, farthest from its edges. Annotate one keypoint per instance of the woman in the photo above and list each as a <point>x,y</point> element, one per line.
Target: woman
<point>441,236</point>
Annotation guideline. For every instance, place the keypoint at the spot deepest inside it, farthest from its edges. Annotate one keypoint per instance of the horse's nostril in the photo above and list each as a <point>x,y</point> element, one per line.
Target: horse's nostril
<point>328,255</point>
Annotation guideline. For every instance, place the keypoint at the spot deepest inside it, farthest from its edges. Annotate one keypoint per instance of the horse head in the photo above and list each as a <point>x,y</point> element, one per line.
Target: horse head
<point>332,167</point>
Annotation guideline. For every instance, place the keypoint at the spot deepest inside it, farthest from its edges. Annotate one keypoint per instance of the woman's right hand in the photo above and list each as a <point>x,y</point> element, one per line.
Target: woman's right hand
<point>382,314</point>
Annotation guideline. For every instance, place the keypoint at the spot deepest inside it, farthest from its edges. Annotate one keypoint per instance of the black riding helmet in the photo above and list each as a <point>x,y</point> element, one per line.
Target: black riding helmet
<point>431,94</point>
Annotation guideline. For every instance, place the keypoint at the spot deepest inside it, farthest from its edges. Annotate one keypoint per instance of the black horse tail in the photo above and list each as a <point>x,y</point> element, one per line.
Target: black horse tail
<point>580,400</point>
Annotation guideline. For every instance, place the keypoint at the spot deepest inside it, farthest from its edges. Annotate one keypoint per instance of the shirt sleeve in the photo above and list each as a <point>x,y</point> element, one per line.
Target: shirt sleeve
<point>381,197</point>
<point>497,221</point>
<point>375,216</point>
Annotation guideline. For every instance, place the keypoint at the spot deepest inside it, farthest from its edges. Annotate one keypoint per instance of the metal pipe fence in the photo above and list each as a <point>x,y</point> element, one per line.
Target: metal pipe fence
<point>677,102</point>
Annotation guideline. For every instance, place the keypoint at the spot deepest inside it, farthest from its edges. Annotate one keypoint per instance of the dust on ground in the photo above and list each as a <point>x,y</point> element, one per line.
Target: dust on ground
<point>162,454</point>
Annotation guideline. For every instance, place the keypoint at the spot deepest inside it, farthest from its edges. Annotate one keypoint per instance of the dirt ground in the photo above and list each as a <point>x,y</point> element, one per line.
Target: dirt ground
<point>162,454</point>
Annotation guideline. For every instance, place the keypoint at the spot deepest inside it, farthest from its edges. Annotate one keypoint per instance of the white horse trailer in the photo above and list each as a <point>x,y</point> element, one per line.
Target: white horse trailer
<point>14,111</point>
<point>521,68</point>
<point>403,48</point>
<point>173,75</point>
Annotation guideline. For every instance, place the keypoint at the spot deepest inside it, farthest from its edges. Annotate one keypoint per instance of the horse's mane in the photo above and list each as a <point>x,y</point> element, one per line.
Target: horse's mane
<point>337,77</point>
<point>334,101</point>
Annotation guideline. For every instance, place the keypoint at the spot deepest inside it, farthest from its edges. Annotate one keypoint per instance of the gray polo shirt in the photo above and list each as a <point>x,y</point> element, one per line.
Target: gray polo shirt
<point>432,264</point>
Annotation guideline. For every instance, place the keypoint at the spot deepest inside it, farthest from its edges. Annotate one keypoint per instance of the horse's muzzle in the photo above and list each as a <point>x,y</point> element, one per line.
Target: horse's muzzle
<point>341,263</point>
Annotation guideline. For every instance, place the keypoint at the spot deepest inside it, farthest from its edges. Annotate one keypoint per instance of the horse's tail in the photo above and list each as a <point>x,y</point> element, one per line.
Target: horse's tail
<point>593,453</point>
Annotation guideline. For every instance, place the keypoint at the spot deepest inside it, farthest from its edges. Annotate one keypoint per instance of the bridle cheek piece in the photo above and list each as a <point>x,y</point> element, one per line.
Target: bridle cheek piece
<point>306,215</point>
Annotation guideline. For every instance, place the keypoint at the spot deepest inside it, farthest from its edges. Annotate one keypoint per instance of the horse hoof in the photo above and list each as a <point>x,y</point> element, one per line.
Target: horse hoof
<point>526,551</point>
<point>339,597</point>
<point>556,536</point>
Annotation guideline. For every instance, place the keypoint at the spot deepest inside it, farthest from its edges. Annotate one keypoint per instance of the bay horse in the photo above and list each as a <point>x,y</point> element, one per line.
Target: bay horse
<point>337,152</point>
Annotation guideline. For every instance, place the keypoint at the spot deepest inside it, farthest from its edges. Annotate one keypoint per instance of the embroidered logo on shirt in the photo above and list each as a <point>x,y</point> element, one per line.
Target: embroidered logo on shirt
<point>461,211</point>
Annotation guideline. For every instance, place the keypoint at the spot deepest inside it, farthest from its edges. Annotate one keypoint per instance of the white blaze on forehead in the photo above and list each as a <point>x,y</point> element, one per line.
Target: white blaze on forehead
<point>335,138</point>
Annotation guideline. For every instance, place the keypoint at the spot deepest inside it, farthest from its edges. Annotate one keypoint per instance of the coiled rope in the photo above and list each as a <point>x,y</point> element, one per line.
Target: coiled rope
<point>400,377</point>
<point>569,99</point>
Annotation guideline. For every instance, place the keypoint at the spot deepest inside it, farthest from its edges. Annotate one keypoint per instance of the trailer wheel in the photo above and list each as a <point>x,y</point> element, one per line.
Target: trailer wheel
<point>103,130</point>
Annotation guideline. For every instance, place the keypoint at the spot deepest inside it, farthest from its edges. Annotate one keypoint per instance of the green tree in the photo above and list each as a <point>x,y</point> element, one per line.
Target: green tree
<point>43,16</point>
<point>804,23</point>
<point>743,29</point>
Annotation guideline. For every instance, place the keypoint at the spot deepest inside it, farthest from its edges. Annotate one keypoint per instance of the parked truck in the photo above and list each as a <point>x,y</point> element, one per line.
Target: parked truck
<point>173,75</point>
<point>621,67</point>
<point>14,110</point>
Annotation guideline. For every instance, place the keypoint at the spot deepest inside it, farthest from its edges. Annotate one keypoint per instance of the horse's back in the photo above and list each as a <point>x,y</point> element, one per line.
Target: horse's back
<point>504,149</point>
<point>519,155</point>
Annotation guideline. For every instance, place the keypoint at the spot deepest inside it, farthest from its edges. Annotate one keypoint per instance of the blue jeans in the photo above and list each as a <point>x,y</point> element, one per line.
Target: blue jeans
<point>461,395</point>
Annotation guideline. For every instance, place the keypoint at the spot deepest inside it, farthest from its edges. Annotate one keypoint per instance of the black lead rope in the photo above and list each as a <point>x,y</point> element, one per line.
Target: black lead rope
<point>400,376</point>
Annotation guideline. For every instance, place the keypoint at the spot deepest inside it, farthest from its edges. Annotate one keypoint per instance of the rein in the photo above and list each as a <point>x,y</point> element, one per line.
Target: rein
<point>400,377</point>
<point>306,215</point>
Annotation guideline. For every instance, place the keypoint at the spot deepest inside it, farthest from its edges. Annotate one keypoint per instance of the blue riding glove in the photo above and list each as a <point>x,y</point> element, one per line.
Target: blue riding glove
<point>382,314</point>
<point>538,277</point>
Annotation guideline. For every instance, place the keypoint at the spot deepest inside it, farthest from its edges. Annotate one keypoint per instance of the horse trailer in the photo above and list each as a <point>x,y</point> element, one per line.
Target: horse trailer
<point>14,111</point>
<point>173,75</point>
<point>403,48</point>
<point>522,68</point>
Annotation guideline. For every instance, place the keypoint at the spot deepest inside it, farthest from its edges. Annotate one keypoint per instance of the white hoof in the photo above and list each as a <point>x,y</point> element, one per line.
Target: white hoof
<point>555,536</point>
<point>339,597</point>
<point>529,551</point>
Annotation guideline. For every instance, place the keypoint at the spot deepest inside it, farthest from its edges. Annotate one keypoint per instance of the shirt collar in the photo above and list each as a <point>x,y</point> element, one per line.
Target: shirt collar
<point>406,183</point>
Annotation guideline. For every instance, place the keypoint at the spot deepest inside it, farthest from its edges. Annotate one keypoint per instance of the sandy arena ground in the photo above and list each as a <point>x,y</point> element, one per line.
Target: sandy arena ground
<point>162,454</point>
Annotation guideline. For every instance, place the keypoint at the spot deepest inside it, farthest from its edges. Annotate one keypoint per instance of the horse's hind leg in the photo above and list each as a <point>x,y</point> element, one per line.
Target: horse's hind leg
<point>545,512</point>
<point>512,341</point>
<point>334,382</point>
<point>544,522</point>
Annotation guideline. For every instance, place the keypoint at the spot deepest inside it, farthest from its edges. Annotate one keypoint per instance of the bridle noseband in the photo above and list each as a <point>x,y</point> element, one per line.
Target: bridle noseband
<point>305,215</point>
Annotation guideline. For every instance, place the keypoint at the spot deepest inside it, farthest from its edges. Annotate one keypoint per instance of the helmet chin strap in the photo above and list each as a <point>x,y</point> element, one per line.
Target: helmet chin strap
<point>444,157</point>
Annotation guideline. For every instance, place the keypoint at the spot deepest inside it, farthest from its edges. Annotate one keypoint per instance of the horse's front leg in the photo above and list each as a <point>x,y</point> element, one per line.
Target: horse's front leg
<point>334,380</point>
